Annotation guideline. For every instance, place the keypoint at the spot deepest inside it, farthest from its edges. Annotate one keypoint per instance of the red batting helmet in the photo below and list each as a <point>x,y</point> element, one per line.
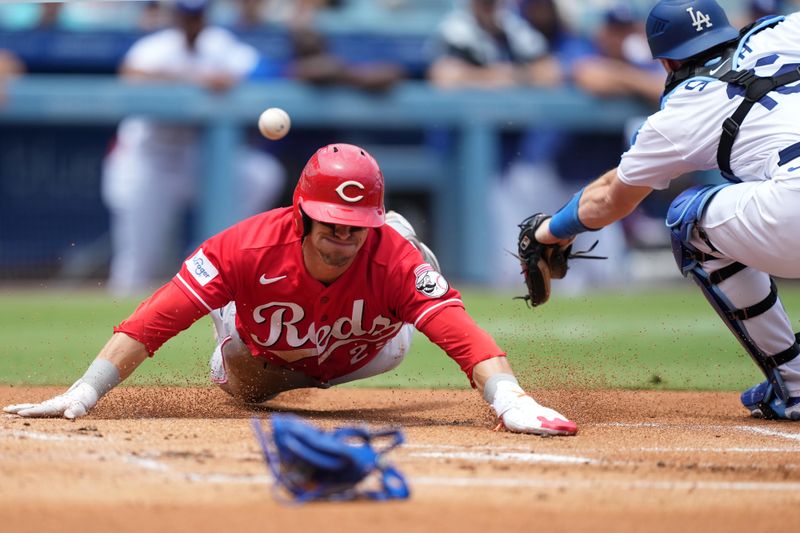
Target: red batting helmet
<point>340,184</point>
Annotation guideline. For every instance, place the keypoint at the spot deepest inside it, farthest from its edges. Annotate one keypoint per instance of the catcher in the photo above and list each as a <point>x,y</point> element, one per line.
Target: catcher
<point>321,293</point>
<point>730,103</point>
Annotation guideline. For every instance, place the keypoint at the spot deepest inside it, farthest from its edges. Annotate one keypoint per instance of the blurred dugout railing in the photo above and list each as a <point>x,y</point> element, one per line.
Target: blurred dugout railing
<point>100,51</point>
<point>458,182</point>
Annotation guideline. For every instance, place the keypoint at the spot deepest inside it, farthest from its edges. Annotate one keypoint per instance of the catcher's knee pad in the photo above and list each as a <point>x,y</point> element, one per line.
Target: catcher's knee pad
<point>682,218</point>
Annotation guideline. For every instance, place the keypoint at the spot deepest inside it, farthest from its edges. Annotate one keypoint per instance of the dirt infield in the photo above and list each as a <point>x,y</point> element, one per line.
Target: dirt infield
<point>171,459</point>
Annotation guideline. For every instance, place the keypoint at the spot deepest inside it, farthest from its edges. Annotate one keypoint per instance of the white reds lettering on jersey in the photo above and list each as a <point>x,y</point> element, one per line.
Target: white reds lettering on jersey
<point>698,19</point>
<point>344,330</point>
<point>324,331</point>
<point>349,183</point>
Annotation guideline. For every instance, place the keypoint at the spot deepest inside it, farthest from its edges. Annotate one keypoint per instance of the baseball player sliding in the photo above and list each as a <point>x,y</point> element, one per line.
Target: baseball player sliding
<point>321,293</point>
<point>731,102</point>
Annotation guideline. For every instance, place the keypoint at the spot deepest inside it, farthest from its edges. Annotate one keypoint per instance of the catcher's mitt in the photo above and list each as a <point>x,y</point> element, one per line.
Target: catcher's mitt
<point>312,464</point>
<point>543,262</point>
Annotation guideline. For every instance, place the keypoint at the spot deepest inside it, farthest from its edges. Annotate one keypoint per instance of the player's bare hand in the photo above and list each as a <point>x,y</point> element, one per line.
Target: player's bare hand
<point>520,413</point>
<point>74,403</point>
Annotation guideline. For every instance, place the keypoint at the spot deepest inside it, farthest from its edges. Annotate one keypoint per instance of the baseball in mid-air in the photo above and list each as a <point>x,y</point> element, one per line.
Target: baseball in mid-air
<point>274,123</point>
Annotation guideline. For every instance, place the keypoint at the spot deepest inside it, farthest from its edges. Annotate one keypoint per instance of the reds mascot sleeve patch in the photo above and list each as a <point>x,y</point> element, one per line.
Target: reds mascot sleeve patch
<point>429,282</point>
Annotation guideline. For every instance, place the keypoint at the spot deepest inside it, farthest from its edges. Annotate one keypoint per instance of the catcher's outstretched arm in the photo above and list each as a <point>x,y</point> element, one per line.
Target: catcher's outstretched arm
<point>608,199</point>
<point>605,200</point>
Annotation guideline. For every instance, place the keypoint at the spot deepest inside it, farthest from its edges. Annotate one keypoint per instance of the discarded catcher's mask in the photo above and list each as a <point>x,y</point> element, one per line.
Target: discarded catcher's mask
<point>313,464</point>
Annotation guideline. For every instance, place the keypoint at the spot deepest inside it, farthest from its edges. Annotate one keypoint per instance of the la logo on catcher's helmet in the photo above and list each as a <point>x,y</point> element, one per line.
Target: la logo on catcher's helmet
<point>680,29</point>
<point>340,184</point>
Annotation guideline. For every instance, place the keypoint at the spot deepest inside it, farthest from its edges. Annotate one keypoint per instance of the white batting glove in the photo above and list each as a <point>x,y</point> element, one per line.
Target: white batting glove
<point>74,403</point>
<point>518,412</point>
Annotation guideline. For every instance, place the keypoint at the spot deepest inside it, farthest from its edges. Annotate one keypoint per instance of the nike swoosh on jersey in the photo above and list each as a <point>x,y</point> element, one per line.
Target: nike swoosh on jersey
<point>266,281</point>
<point>792,169</point>
<point>714,71</point>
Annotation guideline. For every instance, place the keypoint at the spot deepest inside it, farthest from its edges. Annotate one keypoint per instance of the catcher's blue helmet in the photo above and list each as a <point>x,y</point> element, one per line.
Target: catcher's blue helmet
<point>680,29</point>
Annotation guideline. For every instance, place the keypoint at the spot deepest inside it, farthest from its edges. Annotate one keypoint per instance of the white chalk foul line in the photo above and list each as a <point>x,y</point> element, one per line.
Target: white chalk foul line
<point>616,449</point>
<point>771,432</point>
<point>512,457</point>
<point>790,435</point>
<point>196,477</point>
<point>35,435</point>
<point>514,483</point>
<point>476,482</point>
<point>145,463</point>
<point>507,453</point>
<point>149,463</point>
<point>698,449</point>
<point>608,483</point>
<point>484,456</point>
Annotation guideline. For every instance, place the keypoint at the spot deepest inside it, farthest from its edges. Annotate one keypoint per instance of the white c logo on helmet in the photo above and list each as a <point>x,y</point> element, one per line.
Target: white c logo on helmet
<point>345,197</point>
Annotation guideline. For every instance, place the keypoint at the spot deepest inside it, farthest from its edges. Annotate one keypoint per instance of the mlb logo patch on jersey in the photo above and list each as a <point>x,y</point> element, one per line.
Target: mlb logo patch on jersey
<point>201,268</point>
<point>429,282</point>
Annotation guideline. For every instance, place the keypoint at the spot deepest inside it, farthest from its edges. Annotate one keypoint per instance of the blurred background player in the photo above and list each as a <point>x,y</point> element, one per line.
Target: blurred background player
<point>485,44</point>
<point>10,64</point>
<point>10,67</point>
<point>296,13</point>
<point>152,174</point>
<point>731,237</point>
<point>621,64</point>
<point>314,63</point>
<point>324,292</point>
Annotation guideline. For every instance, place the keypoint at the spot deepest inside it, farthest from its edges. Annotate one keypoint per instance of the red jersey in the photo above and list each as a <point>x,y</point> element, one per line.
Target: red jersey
<point>294,320</point>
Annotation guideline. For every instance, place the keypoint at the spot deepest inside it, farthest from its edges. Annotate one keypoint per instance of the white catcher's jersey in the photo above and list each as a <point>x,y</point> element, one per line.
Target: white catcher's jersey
<point>216,51</point>
<point>683,136</point>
